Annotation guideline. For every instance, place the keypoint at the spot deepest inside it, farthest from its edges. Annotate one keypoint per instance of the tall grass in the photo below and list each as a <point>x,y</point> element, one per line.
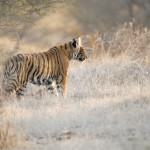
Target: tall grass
<point>128,40</point>
<point>107,104</point>
<point>7,136</point>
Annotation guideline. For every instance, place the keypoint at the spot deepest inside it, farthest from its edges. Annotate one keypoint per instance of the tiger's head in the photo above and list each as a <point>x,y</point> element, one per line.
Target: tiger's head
<point>78,52</point>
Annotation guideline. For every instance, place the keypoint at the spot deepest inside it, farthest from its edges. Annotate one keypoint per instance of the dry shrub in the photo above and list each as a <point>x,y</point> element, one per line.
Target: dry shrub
<point>129,39</point>
<point>7,136</point>
<point>134,41</point>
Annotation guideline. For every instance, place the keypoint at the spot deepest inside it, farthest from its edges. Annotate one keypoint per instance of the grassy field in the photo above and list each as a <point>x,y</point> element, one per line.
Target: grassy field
<point>107,104</point>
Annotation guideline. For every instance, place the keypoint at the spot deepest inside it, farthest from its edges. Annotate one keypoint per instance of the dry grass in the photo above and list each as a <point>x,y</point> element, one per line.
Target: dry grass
<point>128,40</point>
<point>7,136</point>
<point>107,104</point>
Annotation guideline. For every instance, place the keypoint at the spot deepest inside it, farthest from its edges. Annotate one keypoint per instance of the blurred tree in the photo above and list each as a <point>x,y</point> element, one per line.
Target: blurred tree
<point>14,13</point>
<point>144,5</point>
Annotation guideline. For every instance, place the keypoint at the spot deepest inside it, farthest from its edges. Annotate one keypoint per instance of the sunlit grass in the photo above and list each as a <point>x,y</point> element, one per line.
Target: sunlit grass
<point>107,104</point>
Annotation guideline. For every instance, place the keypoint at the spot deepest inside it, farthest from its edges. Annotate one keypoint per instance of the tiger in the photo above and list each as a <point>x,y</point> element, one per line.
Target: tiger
<point>43,68</point>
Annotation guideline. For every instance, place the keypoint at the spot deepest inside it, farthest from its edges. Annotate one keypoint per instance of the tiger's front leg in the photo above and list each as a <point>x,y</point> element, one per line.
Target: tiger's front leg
<point>51,88</point>
<point>61,85</point>
<point>21,90</point>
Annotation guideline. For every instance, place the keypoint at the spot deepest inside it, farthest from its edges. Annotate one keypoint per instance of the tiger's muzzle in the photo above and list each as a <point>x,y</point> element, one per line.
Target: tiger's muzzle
<point>80,57</point>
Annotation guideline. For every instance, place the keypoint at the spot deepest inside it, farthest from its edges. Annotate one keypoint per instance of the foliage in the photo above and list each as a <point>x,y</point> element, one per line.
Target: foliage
<point>14,13</point>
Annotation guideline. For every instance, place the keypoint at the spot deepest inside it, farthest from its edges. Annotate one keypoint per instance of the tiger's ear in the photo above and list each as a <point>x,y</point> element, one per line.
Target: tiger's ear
<point>74,43</point>
<point>79,42</point>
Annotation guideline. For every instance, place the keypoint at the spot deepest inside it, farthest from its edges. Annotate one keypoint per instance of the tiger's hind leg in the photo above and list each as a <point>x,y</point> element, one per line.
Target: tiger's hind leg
<point>9,87</point>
